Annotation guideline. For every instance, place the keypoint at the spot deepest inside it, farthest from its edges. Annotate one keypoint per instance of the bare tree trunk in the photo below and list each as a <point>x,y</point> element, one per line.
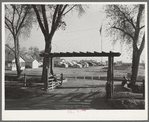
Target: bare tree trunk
<point>17,55</point>
<point>45,66</point>
<point>46,60</point>
<point>135,66</point>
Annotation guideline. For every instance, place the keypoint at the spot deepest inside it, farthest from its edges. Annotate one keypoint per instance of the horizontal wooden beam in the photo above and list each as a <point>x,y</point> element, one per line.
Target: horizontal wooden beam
<point>80,54</point>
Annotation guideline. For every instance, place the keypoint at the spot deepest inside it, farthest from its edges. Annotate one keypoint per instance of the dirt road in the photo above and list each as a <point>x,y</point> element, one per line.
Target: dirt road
<point>73,94</point>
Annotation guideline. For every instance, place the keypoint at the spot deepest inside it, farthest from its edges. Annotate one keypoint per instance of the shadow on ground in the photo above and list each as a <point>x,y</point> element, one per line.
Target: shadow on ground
<point>86,97</point>
<point>120,88</point>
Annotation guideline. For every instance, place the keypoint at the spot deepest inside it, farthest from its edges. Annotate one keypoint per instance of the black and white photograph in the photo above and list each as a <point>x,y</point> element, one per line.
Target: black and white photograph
<point>74,61</point>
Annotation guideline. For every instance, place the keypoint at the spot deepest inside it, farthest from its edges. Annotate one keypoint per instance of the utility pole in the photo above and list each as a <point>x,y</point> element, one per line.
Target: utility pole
<point>101,47</point>
<point>101,39</point>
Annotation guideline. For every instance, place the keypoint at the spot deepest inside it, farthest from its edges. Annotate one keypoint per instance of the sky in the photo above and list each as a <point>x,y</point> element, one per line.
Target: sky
<point>81,34</point>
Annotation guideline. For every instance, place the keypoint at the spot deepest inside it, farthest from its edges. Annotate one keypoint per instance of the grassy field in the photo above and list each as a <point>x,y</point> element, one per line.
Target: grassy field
<point>92,71</point>
<point>100,71</point>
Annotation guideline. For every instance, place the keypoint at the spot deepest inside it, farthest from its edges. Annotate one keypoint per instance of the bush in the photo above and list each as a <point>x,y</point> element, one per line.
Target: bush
<point>127,103</point>
<point>137,88</point>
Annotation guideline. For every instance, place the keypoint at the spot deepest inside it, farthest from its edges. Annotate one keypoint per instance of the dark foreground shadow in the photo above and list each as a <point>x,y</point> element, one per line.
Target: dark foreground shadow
<point>120,88</point>
<point>69,87</point>
<point>100,103</point>
<point>26,99</point>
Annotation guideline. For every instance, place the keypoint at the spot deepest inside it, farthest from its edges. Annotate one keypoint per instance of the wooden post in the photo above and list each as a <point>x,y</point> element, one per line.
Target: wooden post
<point>109,81</point>
<point>52,84</point>
<point>61,79</point>
<point>143,89</point>
<point>51,67</point>
<point>112,84</point>
<point>25,77</point>
<point>107,85</point>
<point>46,79</point>
<point>107,75</point>
<point>110,76</point>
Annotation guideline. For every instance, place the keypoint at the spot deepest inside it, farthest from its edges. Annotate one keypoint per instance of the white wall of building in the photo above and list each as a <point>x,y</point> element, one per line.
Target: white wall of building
<point>14,64</point>
<point>35,64</point>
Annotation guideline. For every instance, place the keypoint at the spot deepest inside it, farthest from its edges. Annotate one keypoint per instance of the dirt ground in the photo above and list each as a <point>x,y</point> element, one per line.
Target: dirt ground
<point>73,94</point>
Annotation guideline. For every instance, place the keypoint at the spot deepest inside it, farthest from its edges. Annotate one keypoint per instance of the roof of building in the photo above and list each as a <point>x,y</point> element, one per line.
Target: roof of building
<point>9,56</point>
<point>28,58</point>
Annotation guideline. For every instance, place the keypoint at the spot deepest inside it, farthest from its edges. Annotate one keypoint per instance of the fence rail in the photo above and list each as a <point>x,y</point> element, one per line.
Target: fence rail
<point>117,79</point>
<point>104,78</point>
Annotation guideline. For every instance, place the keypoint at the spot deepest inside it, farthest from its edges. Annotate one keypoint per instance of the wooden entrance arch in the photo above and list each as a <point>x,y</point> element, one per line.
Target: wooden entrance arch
<point>110,55</point>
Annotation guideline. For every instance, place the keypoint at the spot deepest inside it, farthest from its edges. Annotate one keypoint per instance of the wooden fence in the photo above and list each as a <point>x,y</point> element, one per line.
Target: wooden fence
<point>60,78</point>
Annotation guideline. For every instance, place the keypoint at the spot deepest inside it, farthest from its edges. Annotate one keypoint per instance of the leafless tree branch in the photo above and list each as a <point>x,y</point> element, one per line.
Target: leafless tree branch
<point>141,7</point>
<point>129,20</point>
<point>142,27</point>
<point>69,10</point>
<point>8,27</point>
<point>123,32</point>
<point>39,19</point>
<point>54,15</point>
<point>22,21</point>
<point>9,48</point>
<point>64,9</point>
<point>45,18</point>
<point>19,14</point>
<point>142,44</point>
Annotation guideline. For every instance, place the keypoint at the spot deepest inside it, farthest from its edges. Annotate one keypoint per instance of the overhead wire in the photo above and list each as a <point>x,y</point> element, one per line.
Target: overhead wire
<point>82,30</point>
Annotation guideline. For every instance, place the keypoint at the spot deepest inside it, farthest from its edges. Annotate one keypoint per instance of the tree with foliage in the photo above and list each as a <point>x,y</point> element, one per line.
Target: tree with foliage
<point>31,52</point>
<point>34,53</point>
<point>9,49</point>
<point>49,24</point>
<point>18,20</point>
<point>23,51</point>
<point>128,23</point>
<point>9,52</point>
